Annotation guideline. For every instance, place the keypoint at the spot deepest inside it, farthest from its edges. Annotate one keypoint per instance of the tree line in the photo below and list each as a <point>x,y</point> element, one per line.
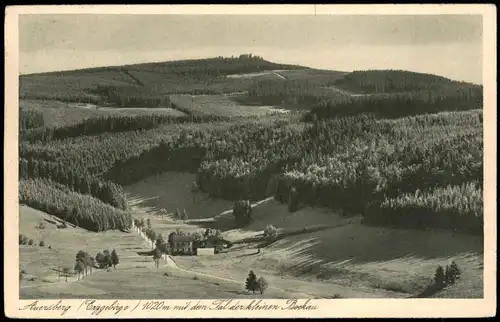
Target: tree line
<point>81,210</point>
<point>114,123</point>
<point>290,94</point>
<point>211,67</point>
<point>77,179</point>
<point>390,81</point>
<point>399,105</point>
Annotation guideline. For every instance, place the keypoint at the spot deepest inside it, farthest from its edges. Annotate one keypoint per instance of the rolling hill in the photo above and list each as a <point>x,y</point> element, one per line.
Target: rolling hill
<point>250,81</point>
<point>139,80</point>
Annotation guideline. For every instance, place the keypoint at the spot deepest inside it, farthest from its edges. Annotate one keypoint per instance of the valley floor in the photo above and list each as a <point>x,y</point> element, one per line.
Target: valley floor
<point>335,257</point>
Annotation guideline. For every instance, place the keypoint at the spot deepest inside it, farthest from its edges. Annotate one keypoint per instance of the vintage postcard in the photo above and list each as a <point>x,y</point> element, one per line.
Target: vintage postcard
<point>255,161</point>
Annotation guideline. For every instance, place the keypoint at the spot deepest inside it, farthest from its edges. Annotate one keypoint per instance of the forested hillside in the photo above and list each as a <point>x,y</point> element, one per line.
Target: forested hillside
<point>392,81</point>
<point>410,154</point>
<point>400,104</point>
<point>145,84</point>
<point>384,93</point>
<point>356,163</point>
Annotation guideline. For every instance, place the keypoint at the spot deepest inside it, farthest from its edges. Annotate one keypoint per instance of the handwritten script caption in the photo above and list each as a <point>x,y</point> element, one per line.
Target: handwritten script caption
<point>97,307</point>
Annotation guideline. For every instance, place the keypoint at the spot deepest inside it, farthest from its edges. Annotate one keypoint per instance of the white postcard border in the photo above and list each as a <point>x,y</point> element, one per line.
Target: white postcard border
<point>325,308</point>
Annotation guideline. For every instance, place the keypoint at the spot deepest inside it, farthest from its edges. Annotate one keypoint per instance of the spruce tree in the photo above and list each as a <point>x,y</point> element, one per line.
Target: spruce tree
<point>439,278</point>
<point>454,271</point>
<point>114,258</point>
<point>251,282</point>
<point>448,279</point>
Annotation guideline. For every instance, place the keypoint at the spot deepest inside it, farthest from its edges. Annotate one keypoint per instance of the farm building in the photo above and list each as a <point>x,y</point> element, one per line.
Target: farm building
<point>215,242</point>
<point>205,251</point>
<point>182,245</point>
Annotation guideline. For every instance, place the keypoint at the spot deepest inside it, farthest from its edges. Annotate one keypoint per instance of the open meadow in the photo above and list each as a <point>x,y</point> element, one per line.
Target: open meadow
<point>57,113</point>
<point>222,105</point>
<point>134,278</point>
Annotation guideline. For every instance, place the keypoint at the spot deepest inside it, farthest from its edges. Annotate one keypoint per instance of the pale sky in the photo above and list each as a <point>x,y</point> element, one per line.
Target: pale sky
<point>448,45</point>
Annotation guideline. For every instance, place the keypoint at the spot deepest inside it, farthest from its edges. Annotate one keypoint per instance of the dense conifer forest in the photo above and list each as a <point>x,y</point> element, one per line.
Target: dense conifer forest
<point>410,155</point>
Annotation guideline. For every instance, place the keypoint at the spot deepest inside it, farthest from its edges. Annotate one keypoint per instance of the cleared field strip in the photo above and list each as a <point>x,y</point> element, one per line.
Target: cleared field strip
<point>267,74</point>
<point>220,105</point>
<point>56,113</point>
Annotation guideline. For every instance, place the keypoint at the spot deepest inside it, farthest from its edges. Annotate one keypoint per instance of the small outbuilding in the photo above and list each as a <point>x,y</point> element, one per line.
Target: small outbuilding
<point>205,251</point>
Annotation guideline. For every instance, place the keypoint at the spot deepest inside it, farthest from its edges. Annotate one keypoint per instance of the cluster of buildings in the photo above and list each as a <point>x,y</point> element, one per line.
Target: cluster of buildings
<point>192,245</point>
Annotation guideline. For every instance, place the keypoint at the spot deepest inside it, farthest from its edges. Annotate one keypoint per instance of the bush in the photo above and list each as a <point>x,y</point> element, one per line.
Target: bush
<point>23,240</point>
<point>270,232</point>
<point>100,259</point>
<point>41,225</point>
<point>42,243</point>
<point>262,284</point>
<point>31,242</point>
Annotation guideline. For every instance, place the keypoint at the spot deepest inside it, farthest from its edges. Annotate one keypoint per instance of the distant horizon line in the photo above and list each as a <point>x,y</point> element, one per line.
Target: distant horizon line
<point>238,57</point>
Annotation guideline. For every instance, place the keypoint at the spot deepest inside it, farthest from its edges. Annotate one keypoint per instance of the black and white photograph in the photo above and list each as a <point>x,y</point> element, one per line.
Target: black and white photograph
<point>238,159</point>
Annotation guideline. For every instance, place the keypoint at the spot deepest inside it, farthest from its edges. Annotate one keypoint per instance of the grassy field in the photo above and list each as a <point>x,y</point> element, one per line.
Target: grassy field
<point>349,258</point>
<point>65,243</point>
<point>135,276</point>
<point>145,282</point>
<point>57,113</point>
<point>221,105</point>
